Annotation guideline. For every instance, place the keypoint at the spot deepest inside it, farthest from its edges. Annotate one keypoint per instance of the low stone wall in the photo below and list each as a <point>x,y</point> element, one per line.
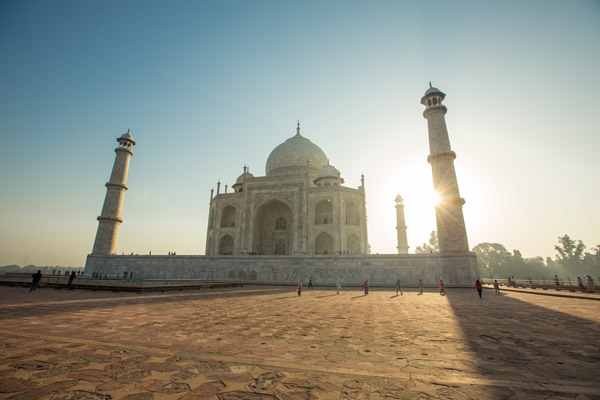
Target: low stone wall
<point>455,270</point>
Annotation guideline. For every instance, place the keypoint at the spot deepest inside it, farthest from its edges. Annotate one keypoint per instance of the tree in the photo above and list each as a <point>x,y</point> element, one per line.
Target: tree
<point>569,250</point>
<point>431,247</point>
<point>491,258</point>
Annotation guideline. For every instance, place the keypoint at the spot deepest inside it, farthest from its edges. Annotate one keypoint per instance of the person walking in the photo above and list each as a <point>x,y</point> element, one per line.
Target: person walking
<point>442,288</point>
<point>496,286</point>
<point>71,277</point>
<point>338,285</point>
<point>300,289</point>
<point>366,287</point>
<point>36,280</point>
<point>398,288</point>
<point>420,286</point>
<point>478,287</point>
<point>310,286</point>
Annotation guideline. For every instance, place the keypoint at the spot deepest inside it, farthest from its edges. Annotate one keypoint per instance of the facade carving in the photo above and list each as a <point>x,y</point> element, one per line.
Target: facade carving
<point>262,197</point>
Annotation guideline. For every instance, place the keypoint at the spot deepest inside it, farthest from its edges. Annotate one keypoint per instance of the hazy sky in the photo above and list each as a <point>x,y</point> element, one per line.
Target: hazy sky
<point>208,86</point>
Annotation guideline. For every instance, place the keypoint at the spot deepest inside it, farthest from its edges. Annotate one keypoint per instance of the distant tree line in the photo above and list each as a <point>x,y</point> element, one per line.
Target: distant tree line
<point>46,269</point>
<point>570,261</point>
<point>495,261</point>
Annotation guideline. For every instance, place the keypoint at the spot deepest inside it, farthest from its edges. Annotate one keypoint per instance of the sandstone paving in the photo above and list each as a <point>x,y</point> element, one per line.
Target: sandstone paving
<point>265,342</point>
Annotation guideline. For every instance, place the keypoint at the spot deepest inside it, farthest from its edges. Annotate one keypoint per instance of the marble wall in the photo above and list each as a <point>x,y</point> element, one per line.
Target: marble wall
<point>455,270</point>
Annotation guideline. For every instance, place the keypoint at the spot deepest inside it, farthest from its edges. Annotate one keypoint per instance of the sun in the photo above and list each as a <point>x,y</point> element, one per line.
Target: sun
<point>434,198</point>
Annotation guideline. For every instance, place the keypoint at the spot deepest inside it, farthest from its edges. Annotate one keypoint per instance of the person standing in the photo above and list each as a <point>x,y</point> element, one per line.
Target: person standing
<point>496,286</point>
<point>36,280</point>
<point>310,286</point>
<point>366,287</point>
<point>338,285</point>
<point>442,288</point>
<point>478,287</point>
<point>398,288</point>
<point>420,286</point>
<point>71,277</point>
<point>300,289</point>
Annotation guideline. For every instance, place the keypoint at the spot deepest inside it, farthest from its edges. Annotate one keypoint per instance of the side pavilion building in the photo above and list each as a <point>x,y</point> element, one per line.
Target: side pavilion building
<point>300,207</point>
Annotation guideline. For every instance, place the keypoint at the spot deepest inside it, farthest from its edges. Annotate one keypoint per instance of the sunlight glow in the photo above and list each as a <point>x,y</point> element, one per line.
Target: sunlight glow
<point>435,198</point>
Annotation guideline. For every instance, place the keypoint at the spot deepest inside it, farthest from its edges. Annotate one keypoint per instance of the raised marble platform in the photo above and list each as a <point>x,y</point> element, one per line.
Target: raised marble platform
<point>455,270</point>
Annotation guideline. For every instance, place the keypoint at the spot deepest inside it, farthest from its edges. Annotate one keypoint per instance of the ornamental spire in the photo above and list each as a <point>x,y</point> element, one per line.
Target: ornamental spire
<point>298,129</point>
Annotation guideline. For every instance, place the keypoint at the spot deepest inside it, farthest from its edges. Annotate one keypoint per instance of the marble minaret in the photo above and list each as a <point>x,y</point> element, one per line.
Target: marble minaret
<point>401,226</point>
<point>452,234</point>
<point>110,218</point>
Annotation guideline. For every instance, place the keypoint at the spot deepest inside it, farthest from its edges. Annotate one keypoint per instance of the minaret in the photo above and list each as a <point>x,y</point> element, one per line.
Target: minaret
<point>401,226</point>
<point>110,218</point>
<point>452,235</point>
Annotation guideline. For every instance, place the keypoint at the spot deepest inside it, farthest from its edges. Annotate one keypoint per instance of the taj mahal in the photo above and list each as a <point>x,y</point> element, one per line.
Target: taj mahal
<point>299,221</point>
<point>299,208</point>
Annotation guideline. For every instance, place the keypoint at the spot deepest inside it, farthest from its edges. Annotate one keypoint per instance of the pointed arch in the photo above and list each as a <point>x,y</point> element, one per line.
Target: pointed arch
<point>324,212</point>
<point>228,217</point>
<point>352,215</point>
<point>353,244</point>
<point>324,243</point>
<point>226,245</point>
<point>273,227</point>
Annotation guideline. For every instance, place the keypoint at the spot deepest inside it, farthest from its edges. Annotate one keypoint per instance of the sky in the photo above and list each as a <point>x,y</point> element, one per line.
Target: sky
<point>208,86</point>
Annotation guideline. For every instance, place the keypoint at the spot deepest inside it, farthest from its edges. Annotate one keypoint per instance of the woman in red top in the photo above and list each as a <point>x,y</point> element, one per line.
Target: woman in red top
<point>478,287</point>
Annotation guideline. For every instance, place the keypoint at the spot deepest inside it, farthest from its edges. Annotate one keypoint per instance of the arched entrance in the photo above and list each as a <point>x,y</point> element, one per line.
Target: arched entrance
<point>324,244</point>
<point>273,229</point>
<point>226,245</point>
<point>352,216</point>
<point>228,217</point>
<point>353,244</point>
<point>323,213</point>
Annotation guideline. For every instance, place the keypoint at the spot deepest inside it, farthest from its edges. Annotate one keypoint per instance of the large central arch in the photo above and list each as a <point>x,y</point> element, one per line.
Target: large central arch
<point>273,233</point>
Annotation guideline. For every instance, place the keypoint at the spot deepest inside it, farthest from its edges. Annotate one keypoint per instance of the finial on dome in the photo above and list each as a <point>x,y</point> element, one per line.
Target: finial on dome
<point>298,129</point>
<point>429,83</point>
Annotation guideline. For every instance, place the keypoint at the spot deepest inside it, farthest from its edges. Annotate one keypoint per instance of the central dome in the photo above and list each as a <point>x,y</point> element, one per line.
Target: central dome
<point>291,157</point>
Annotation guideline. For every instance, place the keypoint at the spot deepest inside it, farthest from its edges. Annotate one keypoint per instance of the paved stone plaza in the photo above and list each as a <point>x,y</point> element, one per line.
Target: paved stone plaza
<point>263,342</point>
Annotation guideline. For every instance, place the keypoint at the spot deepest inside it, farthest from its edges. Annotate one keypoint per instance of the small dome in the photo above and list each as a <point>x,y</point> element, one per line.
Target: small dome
<point>328,171</point>
<point>245,175</point>
<point>126,136</point>
<point>292,156</point>
<point>432,90</point>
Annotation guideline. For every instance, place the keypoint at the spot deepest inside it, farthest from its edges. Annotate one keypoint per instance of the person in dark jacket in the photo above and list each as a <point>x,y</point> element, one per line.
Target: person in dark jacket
<point>479,287</point>
<point>35,281</point>
<point>71,277</point>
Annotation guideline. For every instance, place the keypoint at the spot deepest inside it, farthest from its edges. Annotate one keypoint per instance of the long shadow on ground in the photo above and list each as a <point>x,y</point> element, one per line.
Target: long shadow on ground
<point>518,338</point>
